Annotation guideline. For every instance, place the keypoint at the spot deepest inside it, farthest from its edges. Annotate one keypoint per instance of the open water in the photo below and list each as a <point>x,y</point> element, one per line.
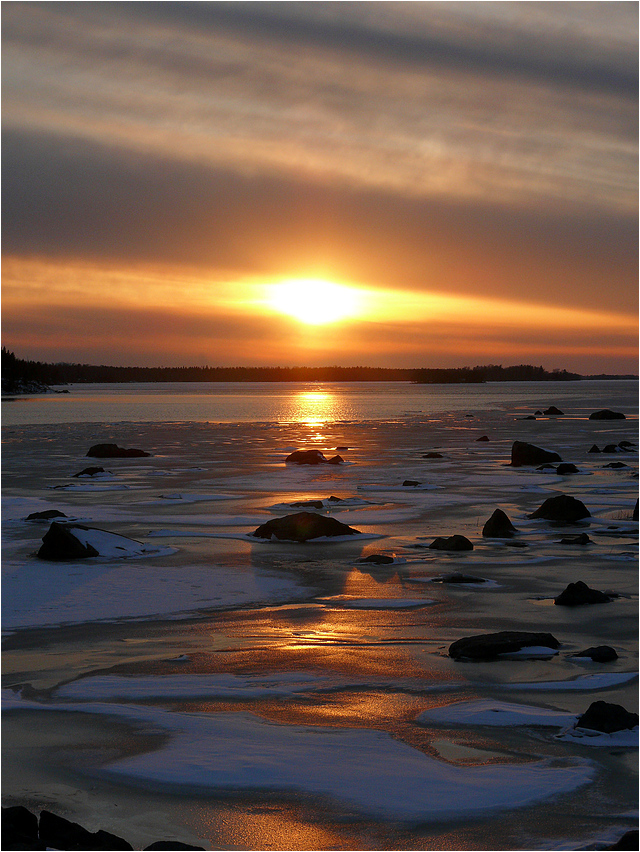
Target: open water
<point>234,693</point>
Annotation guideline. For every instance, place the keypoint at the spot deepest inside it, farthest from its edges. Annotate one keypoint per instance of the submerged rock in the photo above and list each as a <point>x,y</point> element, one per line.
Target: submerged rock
<point>45,516</point>
<point>303,526</point>
<point>411,482</point>
<point>498,526</point>
<point>599,654</point>
<point>581,538</point>
<point>607,718</point>
<point>491,646</point>
<point>453,542</point>
<point>483,438</point>
<point>579,594</point>
<point>562,508</point>
<point>607,414</point>
<point>565,468</point>
<point>304,504</point>
<point>113,451</point>
<point>89,471</point>
<point>457,577</point>
<point>311,457</point>
<point>523,453</point>
<point>169,845</point>
<point>378,559</point>
<point>615,465</point>
<point>433,456</point>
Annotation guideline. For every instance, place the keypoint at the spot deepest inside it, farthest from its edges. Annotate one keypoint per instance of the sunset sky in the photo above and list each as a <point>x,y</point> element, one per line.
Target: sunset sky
<point>413,184</point>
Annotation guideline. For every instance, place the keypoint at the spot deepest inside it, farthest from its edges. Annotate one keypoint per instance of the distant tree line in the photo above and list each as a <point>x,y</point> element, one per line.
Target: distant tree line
<point>20,376</point>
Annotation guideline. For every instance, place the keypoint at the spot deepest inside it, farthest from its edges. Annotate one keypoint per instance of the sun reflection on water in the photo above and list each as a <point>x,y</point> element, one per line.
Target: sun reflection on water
<point>314,408</point>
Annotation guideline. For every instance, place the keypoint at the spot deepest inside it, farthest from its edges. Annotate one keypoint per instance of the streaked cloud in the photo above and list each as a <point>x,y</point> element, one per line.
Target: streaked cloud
<point>182,153</point>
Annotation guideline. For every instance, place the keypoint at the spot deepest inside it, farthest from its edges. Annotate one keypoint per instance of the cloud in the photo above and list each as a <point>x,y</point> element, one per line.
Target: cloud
<point>70,198</point>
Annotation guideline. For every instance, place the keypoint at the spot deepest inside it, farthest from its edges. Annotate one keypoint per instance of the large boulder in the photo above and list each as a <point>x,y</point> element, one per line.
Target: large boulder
<point>19,829</point>
<point>498,526</point>
<point>579,594</point>
<point>628,841</point>
<point>311,457</point>
<point>65,541</point>
<point>607,414</point>
<point>113,451</point>
<point>563,508</point>
<point>59,544</point>
<point>523,453</point>
<point>607,718</point>
<point>59,833</point>
<point>492,646</point>
<point>303,526</point>
<point>453,542</point>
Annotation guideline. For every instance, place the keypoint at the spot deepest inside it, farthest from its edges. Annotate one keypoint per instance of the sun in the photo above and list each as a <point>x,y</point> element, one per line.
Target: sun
<point>314,300</point>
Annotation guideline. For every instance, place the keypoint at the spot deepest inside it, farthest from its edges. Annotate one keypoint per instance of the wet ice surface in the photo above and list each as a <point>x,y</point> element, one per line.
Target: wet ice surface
<point>323,681</point>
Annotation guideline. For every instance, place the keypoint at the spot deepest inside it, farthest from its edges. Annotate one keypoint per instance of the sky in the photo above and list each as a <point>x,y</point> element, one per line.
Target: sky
<point>394,184</point>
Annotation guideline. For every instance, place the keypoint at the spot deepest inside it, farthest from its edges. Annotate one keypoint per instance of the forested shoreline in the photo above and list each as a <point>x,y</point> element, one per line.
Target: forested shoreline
<point>26,376</point>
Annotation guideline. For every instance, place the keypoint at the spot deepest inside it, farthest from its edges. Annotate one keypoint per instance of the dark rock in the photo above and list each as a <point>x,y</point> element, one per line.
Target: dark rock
<point>615,465</point>
<point>528,454</point>
<point>546,467</point>
<point>528,417</point>
<point>607,414</point>
<point>303,504</point>
<point>468,415</point>
<point>457,577</point>
<point>170,844</point>
<point>582,538</point>
<point>607,718</point>
<point>594,449</point>
<point>599,654</point>
<point>19,829</point>
<point>490,646</point>
<point>630,840</point>
<point>411,482</point>
<point>433,456</point>
<point>335,460</point>
<point>89,471</point>
<point>483,438</point>
<point>610,448</point>
<point>553,411</point>
<point>341,449</point>
<point>579,594</point>
<point>306,457</point>
<point>516,544</point>
<point>59,833</point>
<point>45,516</point>
<point>565,468</point>
<point>378,559</point>
<point>336,499</point>
<point>59,543</point>
<point>454,542</point>
<point>539,413</point>
<point>634,517</point>
<point>113,451</point>
<point>562,508</point>
<point>626,444</point>
<point>498,526</point>
<point>303,526</point>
